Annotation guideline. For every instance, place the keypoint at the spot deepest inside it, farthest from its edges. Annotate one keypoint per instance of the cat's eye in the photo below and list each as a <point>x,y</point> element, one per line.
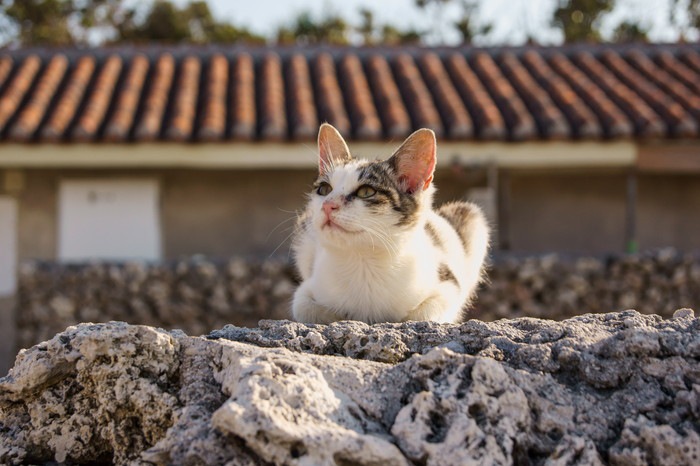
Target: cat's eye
<point>365,191</point>
<point>324,189</point>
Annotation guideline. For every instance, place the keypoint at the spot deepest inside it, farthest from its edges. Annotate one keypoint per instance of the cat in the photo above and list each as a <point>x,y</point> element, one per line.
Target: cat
<point>370,247</point>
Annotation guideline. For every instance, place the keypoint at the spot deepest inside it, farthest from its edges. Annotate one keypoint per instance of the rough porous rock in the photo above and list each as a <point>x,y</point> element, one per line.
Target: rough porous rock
<point>620,388</point>
<point>198,294</point>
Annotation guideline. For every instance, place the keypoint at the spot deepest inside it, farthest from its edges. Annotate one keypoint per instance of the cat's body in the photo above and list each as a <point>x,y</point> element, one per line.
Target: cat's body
<point>370,247</point>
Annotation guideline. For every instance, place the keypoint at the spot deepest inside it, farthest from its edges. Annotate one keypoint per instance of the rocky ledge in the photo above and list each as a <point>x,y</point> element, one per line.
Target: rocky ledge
<point>620,388</point>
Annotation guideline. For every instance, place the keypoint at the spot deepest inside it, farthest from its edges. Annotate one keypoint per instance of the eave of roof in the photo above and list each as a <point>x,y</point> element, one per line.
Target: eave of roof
<point>285,155</point>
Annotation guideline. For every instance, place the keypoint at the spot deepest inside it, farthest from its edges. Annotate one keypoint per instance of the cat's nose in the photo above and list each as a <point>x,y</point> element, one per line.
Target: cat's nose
<point>329,207</point>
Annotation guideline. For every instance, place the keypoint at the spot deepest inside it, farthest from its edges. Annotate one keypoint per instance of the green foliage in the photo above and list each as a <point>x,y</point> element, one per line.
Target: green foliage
<point>367,27</point>
<point>40,21</point>
<point>692,10</point>
<point>393,36</point>
<point>53,22</point>
<point>331,29</point>
<point>630,32</point>
<point>192,23</point>
<point>579,19</point>
<point>74,22</point>
<point>694,13</point>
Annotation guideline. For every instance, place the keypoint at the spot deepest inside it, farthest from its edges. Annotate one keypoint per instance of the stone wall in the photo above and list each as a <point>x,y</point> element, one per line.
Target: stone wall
<point>193,295</point>
<point>619,388</point>
<point>198,295</point>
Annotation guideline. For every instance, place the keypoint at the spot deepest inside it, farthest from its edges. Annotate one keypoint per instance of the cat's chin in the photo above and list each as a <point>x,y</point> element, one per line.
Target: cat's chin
<point>334,228</point>
<point>334,235</point>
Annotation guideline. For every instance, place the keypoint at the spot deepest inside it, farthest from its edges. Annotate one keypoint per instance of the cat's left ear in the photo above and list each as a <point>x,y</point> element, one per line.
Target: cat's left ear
<point>414,161</point>
<point>332,149</point>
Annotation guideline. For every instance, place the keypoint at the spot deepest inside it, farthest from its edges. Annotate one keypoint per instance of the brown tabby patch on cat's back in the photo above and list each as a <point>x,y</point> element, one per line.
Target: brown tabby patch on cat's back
<point>462,216</point>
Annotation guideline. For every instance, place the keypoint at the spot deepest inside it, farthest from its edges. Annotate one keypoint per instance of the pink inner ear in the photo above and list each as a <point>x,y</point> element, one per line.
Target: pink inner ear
<point>416,170</point>
<point>415,160</point>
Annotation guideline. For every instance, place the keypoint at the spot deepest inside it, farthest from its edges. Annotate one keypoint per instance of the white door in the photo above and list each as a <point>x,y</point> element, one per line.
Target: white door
<point>8,246</point>
<point>109,219</point>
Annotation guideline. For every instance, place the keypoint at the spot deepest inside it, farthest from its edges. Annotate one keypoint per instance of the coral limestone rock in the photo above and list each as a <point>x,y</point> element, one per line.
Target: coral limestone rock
<point>619,388</point>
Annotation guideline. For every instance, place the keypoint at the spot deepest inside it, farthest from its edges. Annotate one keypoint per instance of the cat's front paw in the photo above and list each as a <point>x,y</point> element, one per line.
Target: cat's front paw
<point>305,309</point>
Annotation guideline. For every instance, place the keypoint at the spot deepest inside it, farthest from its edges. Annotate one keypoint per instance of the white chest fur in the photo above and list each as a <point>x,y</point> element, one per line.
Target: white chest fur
<point>374,286</point>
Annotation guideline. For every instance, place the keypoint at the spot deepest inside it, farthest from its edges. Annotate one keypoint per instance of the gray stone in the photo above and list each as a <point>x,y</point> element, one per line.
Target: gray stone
<point>199,294</point>
<point>619,388</point>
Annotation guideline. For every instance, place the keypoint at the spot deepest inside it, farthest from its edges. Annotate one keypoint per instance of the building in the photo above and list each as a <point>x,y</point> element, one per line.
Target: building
<point>156,153</point>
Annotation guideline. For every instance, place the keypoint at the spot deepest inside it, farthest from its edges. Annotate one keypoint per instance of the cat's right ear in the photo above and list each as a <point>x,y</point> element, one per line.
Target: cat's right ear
<point>332,149</point>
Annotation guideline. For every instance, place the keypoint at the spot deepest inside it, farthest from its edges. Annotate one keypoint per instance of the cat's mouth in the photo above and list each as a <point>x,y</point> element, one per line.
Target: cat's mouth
<point>329,224</point>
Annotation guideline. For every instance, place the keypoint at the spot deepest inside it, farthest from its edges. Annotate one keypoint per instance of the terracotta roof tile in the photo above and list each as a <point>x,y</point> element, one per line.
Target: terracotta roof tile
<point>329,96</point>
<point>550,119</point>
<point>680,71</point>
<point>282,93</point>
<point>127,100</point>
<point>271,105</point>
<point>359,99</point>
<point>521,124</point>
<point>646,121</point>
<point>692,58</point>
<point>486,115</point>
<point>39,99</point>
<point>69,100</point>
<point>678,120</point>
<point>242,95</point>
<point>97,103</point>
<point>213,124</point>
<point>583,121</point>
<point>418,100</point>
<point>5,68</point>
<point>614,122</point>
<point>303,119</point>
<point>454,113</point>
<point>387,97</point>
<point>16,89</point>
<point>156,99</point>
<point>678,93</point>
<point>181,123</point>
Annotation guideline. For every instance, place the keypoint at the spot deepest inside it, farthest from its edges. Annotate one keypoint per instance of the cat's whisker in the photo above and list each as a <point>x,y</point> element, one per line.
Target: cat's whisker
<point>282,242</point>
<point>279,225</point>
<point>295,212</point>
<point>382,236</point>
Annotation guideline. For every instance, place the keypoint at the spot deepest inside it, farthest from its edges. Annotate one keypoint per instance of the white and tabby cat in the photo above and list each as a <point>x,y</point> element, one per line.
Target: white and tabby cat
<point>370,247</point>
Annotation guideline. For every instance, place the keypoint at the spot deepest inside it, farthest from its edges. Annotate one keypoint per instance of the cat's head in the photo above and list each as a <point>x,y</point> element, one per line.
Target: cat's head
<point>362,203</point>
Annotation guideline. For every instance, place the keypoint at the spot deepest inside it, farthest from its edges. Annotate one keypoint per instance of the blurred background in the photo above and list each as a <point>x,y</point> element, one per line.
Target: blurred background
<point>153,154</point>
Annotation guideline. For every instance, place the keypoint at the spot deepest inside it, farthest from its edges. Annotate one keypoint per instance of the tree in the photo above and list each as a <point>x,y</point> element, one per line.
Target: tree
<point>578,19</point>
<point>391,35</point>
<point>367,27</point>
<point>193,23</point>
<point>466,26</point>
<point>40,22</point>
<point>331,29</point>
<point>692,12</point>
<point>630,32</point>
<point>70,22</point>
<point>165,23</point>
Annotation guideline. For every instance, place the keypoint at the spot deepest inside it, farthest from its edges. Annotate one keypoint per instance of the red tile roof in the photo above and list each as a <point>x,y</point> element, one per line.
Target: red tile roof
<point>277,94</point>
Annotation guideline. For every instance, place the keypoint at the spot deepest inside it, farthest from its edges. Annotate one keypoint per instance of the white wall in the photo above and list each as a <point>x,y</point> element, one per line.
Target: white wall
<point>110,219</point>
<point>8,245</point>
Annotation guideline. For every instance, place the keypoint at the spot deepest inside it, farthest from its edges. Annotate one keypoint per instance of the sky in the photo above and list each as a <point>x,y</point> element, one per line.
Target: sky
<point>512,19</point>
